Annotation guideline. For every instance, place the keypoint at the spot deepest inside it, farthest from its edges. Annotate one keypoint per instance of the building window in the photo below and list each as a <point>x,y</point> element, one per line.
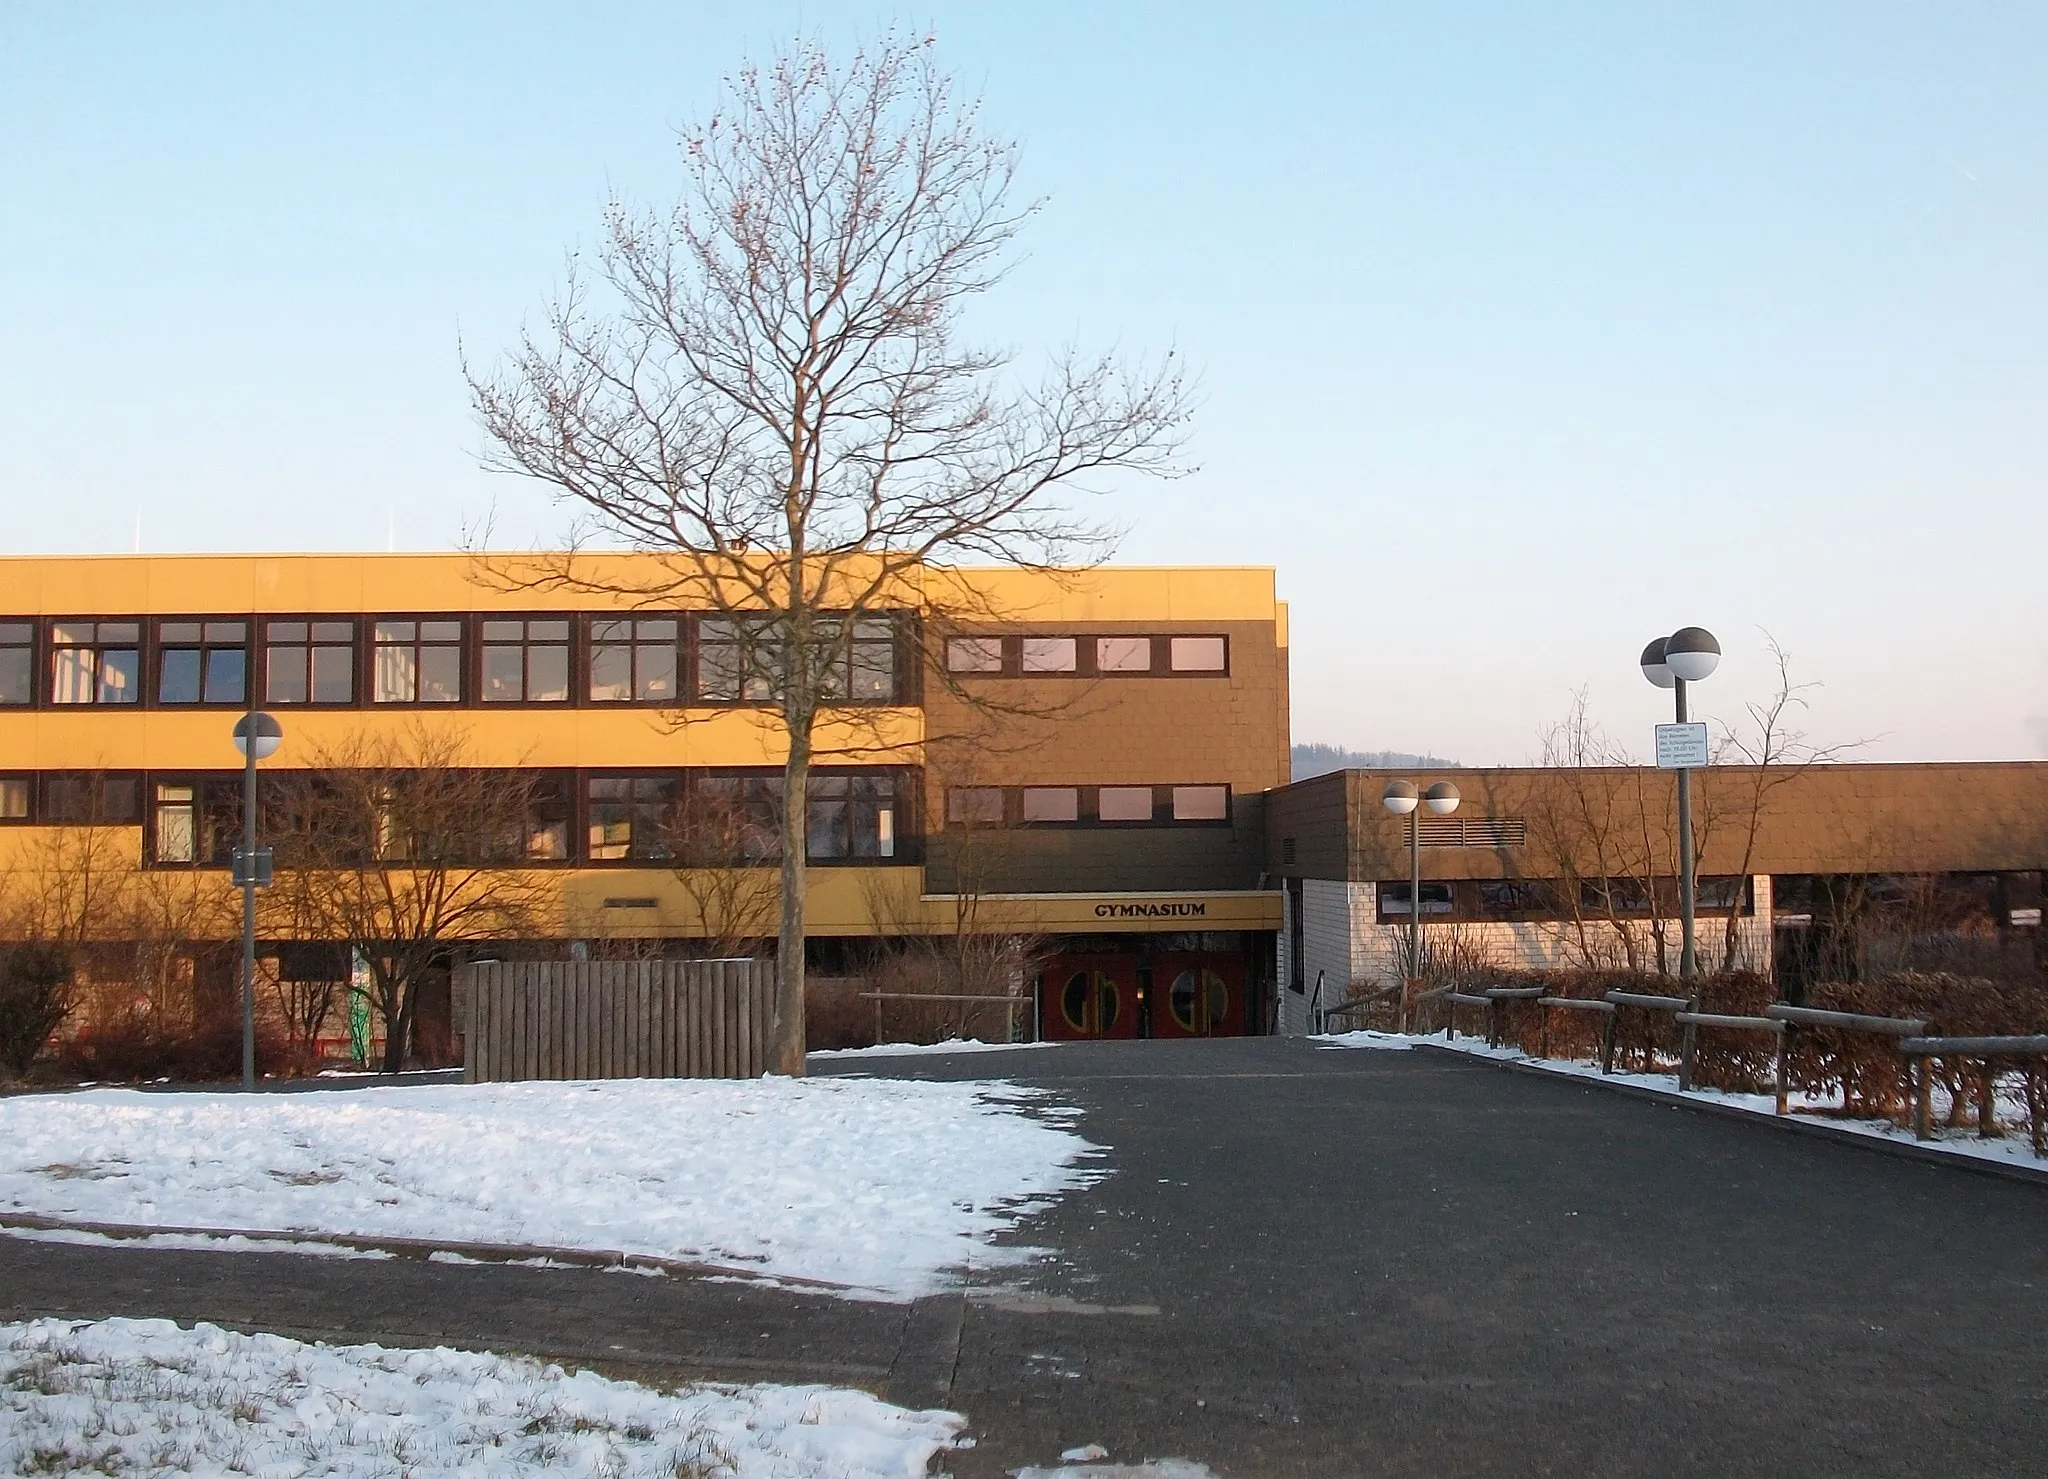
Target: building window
<point>1123,654</point>
<point>733,661</point>
<point>17,662</point>
<point>547,821</point>
<point>1614,895</point>
<point>309,662</point>
<point>872,661</point>
<point>974,654</point>
<point>979,805</point>
<point>95,662</point>
<point>1050,655</point>
<point>634,660</point>
<point>1393,897</point>
<point>14,798</point>
<point>416,662</point>
<point>87,798</point>
<point>1052,803</point>
<point>202,662</point>
<point>734,820</point>
<point>526,662</point>
<point>195,822</point>
<point>850,816</point>
<point>1123,804</point>
<point>1201,803</point>
<point>1513,896</point>
<point>633,817</point>
<point>1197,654</point>
<point>176,830</point>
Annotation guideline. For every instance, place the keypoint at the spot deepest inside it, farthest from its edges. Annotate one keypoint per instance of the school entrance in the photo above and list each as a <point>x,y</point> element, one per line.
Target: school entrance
<point>1173,986</point>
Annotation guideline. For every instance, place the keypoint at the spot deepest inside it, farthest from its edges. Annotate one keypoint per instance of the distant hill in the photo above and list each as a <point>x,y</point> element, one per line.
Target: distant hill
<point>1321,759</point>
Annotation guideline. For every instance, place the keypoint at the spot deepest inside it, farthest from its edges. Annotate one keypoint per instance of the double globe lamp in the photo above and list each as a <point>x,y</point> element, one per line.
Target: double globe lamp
<point>1401,798</point>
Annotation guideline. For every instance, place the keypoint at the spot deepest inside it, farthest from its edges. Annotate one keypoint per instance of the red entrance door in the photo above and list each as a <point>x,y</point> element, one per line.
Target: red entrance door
<point>1197,995</point>
<point>1090,996</point>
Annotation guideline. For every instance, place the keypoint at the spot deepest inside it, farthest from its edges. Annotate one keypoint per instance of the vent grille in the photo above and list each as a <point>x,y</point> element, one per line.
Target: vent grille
<point>1472,831</point>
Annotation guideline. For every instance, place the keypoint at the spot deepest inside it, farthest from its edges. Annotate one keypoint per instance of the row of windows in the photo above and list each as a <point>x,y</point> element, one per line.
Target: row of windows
<point>408,660</point>
<point>670,817</point>
<point>1083,806</point>
<point>1088,657</point>
<point>1545,899</point>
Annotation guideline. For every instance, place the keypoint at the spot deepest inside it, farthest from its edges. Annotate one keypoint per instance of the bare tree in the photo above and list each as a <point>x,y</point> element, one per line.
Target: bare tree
<point>767,387</point>
<point>728,839</point>
<point>398,848</point>
<point>1594,824</point>
<point>1755,760</point>
<point>970,953</point>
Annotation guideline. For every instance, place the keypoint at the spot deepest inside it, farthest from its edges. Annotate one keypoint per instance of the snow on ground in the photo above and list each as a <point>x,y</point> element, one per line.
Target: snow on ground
<point>2013,1147</point>
<point>147,1397</point>
<point>879,1184</point>
<point>918,1049</point>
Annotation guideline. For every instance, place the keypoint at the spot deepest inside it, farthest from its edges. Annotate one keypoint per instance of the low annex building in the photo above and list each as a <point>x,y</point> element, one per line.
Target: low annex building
<point>1827,872</point>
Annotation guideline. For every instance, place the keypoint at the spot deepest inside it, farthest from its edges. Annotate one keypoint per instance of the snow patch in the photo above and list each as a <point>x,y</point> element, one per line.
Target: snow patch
<point>151,1397</point>
<point>2012,1148</point>
<point>882,1185</point>
<point>920,1049</point>
<point>1364,1038</point>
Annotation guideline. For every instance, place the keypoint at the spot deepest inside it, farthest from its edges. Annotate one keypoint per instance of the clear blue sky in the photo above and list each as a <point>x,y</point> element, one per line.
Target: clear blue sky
<point>1526,331</point>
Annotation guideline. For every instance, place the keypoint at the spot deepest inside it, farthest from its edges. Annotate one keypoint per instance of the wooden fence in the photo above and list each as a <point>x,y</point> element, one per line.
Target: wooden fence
<point>577,1019</point>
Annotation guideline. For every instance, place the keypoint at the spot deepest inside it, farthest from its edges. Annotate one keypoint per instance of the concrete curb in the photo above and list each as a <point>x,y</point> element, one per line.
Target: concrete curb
<point>423,1249</point>
<point>1907,1150</point>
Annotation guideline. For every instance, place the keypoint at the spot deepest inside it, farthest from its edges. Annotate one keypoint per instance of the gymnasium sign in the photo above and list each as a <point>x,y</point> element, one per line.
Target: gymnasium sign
<point>1151,909</point>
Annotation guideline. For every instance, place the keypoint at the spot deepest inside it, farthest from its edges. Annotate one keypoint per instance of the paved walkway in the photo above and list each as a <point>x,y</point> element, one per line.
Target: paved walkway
<point>1361,1262</point>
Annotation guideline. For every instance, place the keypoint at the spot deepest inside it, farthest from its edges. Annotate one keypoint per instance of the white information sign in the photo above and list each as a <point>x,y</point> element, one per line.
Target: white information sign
<point>1681,746</point>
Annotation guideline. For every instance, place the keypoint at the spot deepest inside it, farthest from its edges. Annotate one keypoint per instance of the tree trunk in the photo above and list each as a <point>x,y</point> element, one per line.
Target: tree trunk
<point>789,939</point>
<point>397,1024</point>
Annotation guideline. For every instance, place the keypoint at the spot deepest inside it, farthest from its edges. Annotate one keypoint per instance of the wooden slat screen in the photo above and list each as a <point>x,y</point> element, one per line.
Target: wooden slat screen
<point>589,1019</point>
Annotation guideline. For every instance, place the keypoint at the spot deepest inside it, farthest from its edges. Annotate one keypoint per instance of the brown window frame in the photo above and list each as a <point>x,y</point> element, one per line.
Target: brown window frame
<point>162,646</point>
<point>98,645</point>
<point>588,643</point>
<point>526,644</point>
<point>30,646</point>
<point>418,644</point>
<point>309,644</point>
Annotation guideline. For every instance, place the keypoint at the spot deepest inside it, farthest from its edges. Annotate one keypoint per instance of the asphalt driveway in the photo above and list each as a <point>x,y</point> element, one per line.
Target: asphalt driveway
<point>1320,1262</point>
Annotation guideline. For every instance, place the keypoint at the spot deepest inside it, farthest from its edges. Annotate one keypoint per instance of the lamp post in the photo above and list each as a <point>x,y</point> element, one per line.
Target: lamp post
<point>1688,655</point>
<point>257,736</point>
<point>1401,799</point>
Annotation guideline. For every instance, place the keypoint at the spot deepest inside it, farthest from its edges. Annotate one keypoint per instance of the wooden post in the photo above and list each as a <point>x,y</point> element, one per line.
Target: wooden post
<point>1784,1058</point>
<point>1987,1120</point>
<point>1607,1043</point>
<point>1542,1030</point>
<point>1685,1049</point>
<point>2035,1128</point>
<point>1923,1100</point>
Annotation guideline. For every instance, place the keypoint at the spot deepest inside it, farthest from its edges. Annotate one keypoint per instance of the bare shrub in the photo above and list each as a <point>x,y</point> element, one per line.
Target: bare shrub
<point>37,994</point>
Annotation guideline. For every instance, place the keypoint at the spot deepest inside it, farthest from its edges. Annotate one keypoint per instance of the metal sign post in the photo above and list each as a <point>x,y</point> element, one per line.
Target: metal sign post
<point>1686,656</point>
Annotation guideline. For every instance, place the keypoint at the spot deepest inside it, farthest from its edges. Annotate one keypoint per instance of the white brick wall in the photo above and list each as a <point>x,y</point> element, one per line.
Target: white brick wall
<point>1336,918</point>
<point>1343,940</point>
